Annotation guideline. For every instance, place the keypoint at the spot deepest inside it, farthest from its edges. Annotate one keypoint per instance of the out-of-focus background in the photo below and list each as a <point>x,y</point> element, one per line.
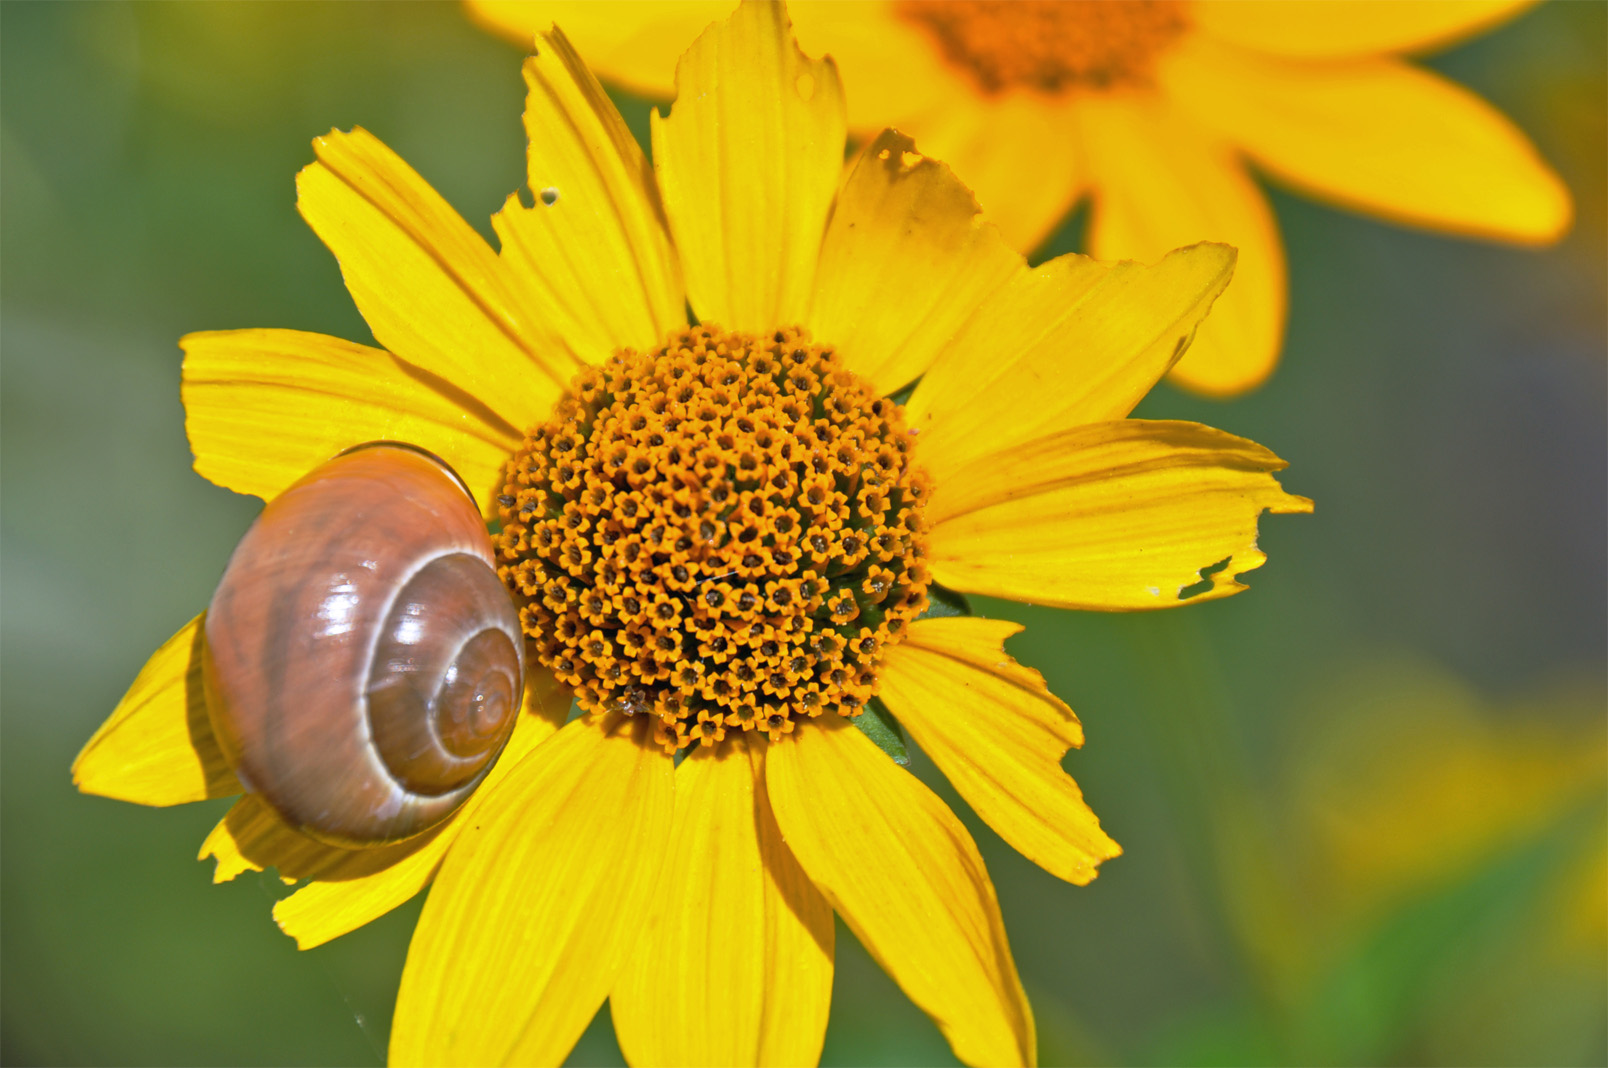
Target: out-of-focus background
<point>1363,805</point>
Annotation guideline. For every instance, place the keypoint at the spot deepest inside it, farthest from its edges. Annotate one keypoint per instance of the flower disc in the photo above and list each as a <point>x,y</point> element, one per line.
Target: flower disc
<point>724,532</point>
<point>1049,45</point>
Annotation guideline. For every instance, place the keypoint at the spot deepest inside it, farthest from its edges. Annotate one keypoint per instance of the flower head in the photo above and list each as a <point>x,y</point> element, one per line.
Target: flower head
<point>724,532</point>
<point>723,539</point>
<point>1154,110</point>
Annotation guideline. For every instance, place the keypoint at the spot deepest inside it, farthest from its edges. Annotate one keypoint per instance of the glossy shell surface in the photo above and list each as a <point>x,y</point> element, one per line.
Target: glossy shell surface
<point>364,665</point>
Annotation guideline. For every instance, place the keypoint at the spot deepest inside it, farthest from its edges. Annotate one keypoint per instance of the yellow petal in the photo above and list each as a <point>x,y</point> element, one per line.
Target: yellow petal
<point>908,880</point>
<point>998,734</point>
<point>1073,341</point>
<point>1016,150</point>
<point>748,162</point>
<point>538,902</point>
<point>736,926</point>
<point>1376,135</point>
<point>1019,152</point>
<point>345,896</point>
<point>632,44</point>
<point>591,251</point>
<point>157,747</point>
<point>1159,182</point>
<point>890,70</point>
<point>896,71</point>
<point>251,837</point>
<point>264,407</point>
<point>1115,516</point>
<point>431,289</point>
<point>905,261</point>
<point>1331,29</point>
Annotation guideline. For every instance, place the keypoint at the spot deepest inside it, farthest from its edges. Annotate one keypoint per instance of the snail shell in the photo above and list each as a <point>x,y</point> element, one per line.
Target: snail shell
<point>364,665</point>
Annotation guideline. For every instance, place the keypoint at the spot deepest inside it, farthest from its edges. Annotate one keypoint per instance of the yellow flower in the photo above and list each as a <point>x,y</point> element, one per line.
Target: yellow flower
<point>1152,109</point>
<point>698,896</point>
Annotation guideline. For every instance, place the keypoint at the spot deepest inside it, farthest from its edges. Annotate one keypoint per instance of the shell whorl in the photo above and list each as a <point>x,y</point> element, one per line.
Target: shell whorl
<point>364,665</point>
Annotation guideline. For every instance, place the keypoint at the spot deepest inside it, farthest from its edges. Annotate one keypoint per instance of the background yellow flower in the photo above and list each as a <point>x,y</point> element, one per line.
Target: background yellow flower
<point>1155,111</point>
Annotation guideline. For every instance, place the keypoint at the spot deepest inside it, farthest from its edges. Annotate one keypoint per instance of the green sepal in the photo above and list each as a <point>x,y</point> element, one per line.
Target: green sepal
<point>880,726</point>
<point>942,601</point>
<point>901,397</point>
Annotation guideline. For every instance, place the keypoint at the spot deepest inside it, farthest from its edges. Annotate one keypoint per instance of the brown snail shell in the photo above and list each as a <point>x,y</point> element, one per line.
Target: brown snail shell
<point>364,665</point>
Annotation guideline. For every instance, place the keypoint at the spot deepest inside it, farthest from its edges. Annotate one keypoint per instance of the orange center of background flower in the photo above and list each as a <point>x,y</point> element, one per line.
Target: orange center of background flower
<point>724,532</point>
<point>1051,45</point>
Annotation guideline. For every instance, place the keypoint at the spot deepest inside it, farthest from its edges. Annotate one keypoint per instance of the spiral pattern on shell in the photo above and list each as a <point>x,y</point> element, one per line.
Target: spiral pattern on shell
<point>364,665</point>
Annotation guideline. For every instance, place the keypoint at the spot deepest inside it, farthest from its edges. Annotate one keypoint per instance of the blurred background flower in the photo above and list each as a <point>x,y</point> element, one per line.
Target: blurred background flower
<point>1362,805</point>
<point>1153,111</point>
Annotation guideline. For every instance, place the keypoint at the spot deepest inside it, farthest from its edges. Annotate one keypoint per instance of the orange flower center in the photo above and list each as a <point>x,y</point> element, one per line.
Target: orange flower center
<point>724,532</point>
<point>1051,45</point>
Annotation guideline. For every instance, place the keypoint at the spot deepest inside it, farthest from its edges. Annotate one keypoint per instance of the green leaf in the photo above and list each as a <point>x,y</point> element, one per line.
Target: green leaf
<point>942,601</point>
<point>880,726</point>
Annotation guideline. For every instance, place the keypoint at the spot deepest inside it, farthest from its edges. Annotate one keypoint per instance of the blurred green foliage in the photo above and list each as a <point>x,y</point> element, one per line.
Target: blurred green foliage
<point>1363,805</point>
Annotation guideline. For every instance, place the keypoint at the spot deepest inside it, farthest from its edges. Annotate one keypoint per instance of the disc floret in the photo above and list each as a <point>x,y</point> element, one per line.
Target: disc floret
<point>725,532</point>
